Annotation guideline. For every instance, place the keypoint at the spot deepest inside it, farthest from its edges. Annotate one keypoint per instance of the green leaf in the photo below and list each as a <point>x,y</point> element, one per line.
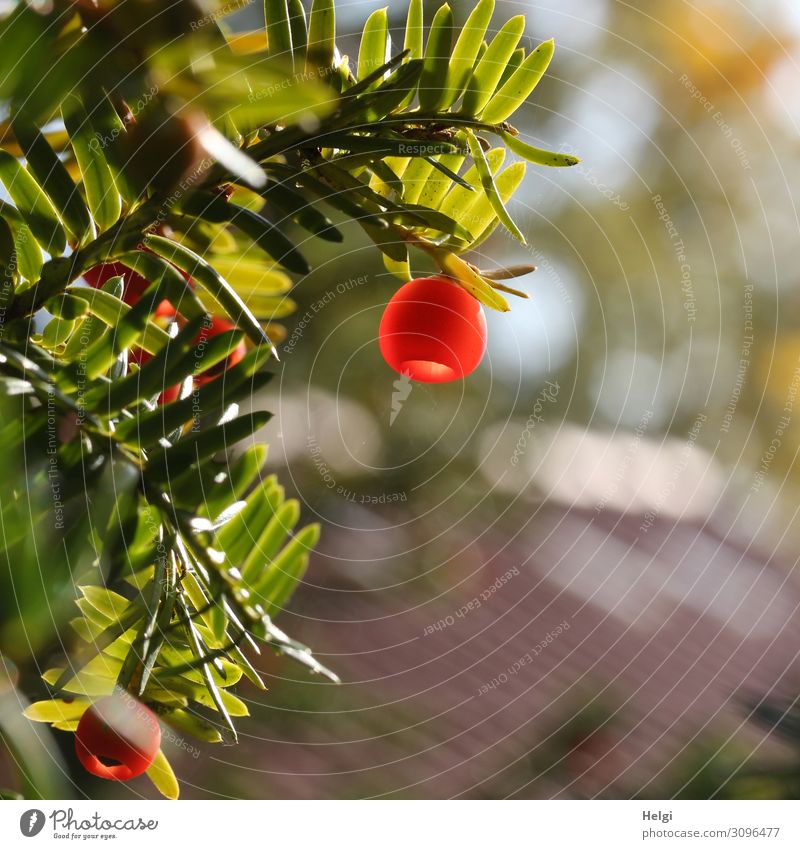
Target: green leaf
<point>112,311</point>
<point>53,177</point>
<point>56,710</point>
<point>249,93</point>
<point>401,270</point>
<point>536,155</point>
<point>109,127</point>
<point>279,31</point>
<point>321,36</point>
<point>434,187</point>
<point>433,219</point>
<point>19,64</point>
<point>338,197</point>
<point>301,211</point>
<point>67,306</point>
<point>216,285</point>
<point>162,605</point>
<point>433,80</point>
<point>242,474</point>
<point>33,204</point>
<point>297,651</point>
<point>188,723</point>
<point>239,535</point>
<point>101,191</point>
<point>250,275</point>
<point>447,166</point>
<point>481,51</point>
<point>415,178</point>
<point>459,201</point>
<point>395,92</point>
<point>200,651</point>
<point>90,330</point>
<point>268,541</point>
<point>161,774</point>
<point>271,309</point>
<point>343,181</point>
<point>516,60</point>
<point>487,181</point>
<point>297,24</point>
<point>271,240</point>
<point>173,358</point>
<point>509,272</point>
<point>466,51</point>
<point>415,29</point>
<point>29,255</point>
<point>489,70</point>
<point>384,180</point>
<point>50,676</point>
<point>386,183</point>
<point>352,97</point>
<point>482,217</point>
<point>202,445</point>
<point>383,146</point>
<point>464,274</point>
<point>171,284</point>
<point>56,333</point>
<point>520,85</point>
<point>374,50</point>
<point>390,242</point>
<point>102,602</point>
<point>74,58</point>
<point>9,271</point>
<point>232,705</point>
<point>152,427</point>
<point>268,237</point>
<point>286,570</point>
<point>247,668</point>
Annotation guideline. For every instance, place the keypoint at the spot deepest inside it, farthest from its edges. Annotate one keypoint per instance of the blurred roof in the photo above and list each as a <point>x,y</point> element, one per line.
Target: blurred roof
<point>669,634</point>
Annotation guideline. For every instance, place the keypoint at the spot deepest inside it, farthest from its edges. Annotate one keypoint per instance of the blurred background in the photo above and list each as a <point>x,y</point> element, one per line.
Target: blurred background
<point>574,574</point>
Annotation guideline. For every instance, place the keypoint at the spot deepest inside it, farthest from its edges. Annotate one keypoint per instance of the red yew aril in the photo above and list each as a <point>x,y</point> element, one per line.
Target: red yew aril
<point>135,285</point>
<point>213,327</point>
<point>433,331</point>
<point>117,738</point>
<point>210,329</point>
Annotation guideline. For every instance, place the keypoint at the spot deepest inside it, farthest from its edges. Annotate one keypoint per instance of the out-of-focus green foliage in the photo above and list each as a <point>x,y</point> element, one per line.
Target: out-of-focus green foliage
<point>158,146</point>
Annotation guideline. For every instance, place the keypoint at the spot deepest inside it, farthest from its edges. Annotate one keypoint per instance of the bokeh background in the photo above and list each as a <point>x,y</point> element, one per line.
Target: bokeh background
<point>574,574</point>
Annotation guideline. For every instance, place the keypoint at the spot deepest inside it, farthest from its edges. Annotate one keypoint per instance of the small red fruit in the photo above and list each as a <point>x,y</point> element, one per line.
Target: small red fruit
<point>135,285</point>
<point>208,331</point>
<point>212,328</point>
<point>117,738</point>
<point>433,330</point>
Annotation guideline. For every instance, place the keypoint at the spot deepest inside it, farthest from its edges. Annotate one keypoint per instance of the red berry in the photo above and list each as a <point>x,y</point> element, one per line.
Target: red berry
<point>208,331</point>
<point>117,738</point>
<point>213,328</point>
<point>433,330</point>
<point>135,285</point>
<point>170,394</point>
